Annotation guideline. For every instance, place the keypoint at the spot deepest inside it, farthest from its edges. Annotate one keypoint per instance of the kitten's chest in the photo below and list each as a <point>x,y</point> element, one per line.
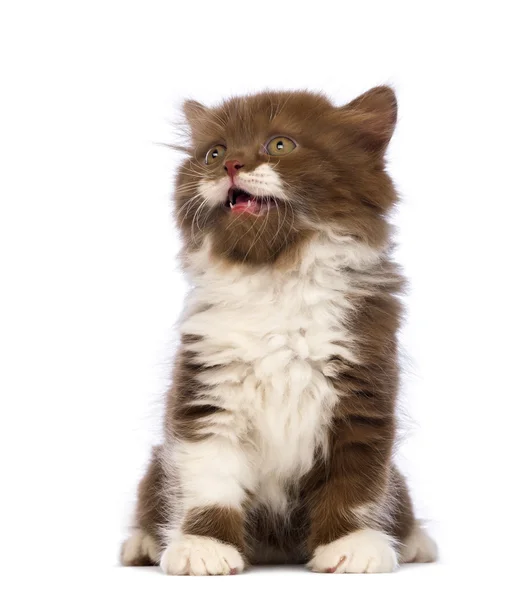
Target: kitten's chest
<point>269,339</point>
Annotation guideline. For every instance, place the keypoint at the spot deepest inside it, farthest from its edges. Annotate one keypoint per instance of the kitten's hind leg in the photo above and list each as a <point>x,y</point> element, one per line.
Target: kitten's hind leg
<point>144,545</point>
<point>415,545</point>
<point>418,547</point>
<point>140,549</point>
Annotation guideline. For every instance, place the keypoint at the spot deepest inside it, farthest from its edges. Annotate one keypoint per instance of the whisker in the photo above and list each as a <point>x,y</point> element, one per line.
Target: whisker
<point>196,217</point>
<point>188,204</point>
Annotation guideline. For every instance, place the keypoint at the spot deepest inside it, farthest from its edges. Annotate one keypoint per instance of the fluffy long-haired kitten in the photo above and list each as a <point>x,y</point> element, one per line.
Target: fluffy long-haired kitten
<point>281,418</point>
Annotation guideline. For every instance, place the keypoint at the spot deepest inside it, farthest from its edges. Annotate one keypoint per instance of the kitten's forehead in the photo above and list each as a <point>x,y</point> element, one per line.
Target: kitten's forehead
<point>271,104</point>
<point>246,116</point>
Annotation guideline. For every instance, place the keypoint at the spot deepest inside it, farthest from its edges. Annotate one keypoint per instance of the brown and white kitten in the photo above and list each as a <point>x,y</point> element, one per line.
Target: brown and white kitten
<point>280,421</point>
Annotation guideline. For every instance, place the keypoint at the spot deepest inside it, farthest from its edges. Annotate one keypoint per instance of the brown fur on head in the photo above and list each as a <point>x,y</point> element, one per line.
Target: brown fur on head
<point>334,178</point>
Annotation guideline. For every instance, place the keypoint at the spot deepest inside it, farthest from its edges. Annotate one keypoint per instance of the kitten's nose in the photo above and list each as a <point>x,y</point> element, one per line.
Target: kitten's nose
<point>232,166</point>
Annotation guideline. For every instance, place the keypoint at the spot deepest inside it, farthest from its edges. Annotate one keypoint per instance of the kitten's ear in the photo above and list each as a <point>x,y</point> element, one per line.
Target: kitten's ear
<point>195,114</point>
<point>374,114</point>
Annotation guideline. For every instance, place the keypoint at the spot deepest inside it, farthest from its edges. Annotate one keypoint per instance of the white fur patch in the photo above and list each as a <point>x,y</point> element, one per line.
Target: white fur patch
<point>198,555</point>
<point>215,191</point>
<point>212,471</point>
<point>419,547</point>
<point>263,181</point>
<point>364,551</point>
<point>270,336</point>
<point>139,545</point>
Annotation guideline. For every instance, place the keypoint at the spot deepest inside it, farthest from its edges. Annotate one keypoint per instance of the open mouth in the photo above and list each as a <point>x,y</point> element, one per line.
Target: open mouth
<point>239,201</point>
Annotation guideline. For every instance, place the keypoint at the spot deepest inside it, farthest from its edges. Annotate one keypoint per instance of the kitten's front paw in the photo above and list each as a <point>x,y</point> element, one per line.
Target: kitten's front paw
<point>364,551</point>
<point>199,555</point>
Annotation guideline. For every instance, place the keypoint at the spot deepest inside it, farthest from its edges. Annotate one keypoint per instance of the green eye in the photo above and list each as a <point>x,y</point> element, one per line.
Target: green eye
<point>214,154</point>
<point>280,146</point>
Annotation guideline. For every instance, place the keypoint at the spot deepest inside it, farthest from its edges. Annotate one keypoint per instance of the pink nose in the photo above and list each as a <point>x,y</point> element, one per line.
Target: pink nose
<point>232,167</point>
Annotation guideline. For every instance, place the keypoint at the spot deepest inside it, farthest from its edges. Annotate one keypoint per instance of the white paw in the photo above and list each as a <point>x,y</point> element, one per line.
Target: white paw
<point>140,549</point>
<point>199,555</point>
<point>418,547</point>
<point>364,551</point>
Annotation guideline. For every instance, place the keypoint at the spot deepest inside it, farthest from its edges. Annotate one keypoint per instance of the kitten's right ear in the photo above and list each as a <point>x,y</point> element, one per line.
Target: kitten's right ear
<point>195,114</point>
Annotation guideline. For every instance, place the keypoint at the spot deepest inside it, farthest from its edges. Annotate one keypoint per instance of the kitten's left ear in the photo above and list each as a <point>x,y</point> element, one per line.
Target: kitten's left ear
<point>374,114</point>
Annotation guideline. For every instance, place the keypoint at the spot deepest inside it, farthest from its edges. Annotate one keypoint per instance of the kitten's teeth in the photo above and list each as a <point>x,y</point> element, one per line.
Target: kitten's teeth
<point>249,202</point>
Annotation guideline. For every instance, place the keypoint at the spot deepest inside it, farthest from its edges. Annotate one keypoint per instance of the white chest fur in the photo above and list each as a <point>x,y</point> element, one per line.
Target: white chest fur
<point>270,335</point>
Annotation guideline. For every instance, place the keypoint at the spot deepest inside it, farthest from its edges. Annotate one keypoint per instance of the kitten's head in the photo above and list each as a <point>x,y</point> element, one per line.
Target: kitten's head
<point>264,172</point>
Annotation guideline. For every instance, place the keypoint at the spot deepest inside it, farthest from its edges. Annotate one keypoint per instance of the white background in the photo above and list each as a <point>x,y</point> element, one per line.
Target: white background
<point>91,290</point>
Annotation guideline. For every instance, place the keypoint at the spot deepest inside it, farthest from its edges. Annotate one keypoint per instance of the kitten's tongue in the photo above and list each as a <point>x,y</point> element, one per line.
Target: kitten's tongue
<point>245,203</point>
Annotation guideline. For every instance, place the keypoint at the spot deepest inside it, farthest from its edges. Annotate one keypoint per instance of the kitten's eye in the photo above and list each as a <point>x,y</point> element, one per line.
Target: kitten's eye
<point>214,154</point>
<point>279,146</point>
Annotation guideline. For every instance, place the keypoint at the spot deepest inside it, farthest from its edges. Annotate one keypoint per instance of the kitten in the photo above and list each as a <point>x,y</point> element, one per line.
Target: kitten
<point>280,421</point>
